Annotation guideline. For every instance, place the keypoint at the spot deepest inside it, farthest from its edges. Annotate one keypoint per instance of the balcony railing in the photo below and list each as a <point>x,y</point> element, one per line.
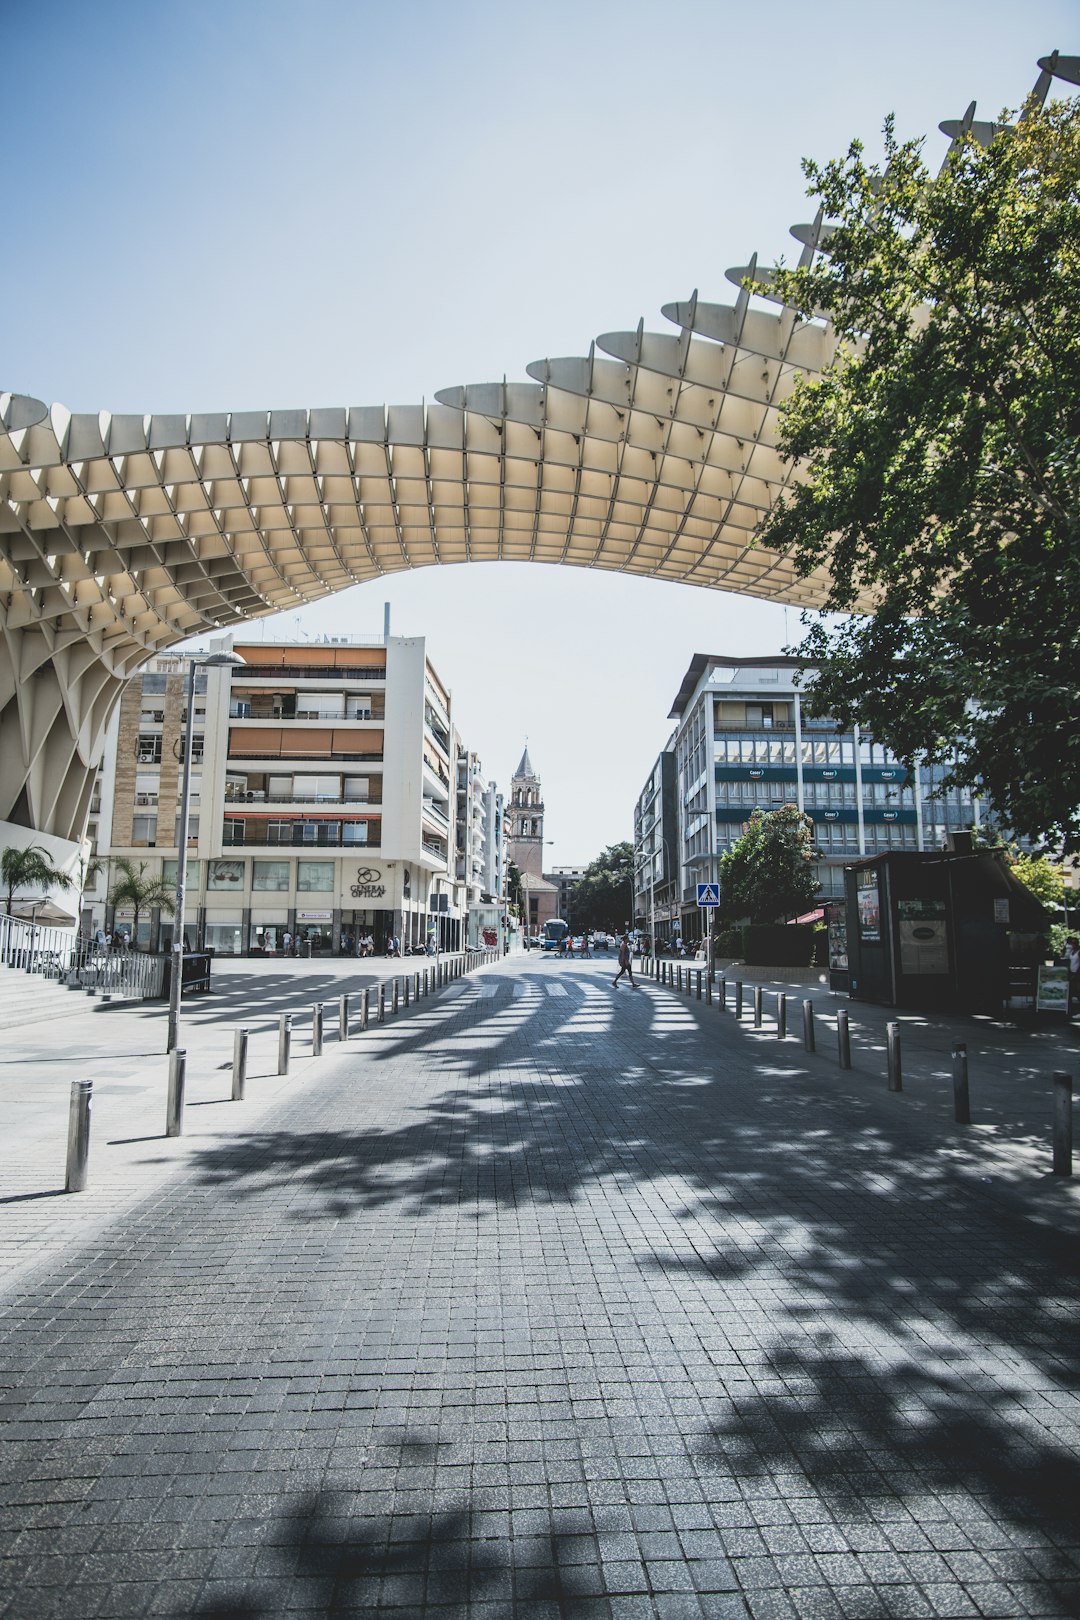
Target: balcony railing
<point>320,672</point>
<point>253,838</point>
<point>257,796</point>
<point>302,753</point>
<point>241,711</point>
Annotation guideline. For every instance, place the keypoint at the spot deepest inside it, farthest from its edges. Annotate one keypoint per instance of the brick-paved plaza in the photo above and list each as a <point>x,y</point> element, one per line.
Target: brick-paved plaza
<point>548,1299</point>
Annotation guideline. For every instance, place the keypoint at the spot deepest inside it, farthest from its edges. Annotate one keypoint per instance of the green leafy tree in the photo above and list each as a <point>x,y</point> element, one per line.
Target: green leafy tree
<point>939,460</point>
<point>513,889</point>
<point>30,867</point>
<point>604,898</point>
<point>767,875</point>
<point>142,893</point>
<point>1045,880</point>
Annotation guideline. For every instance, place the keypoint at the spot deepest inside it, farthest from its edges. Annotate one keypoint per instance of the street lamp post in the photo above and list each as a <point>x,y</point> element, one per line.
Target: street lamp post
<point>195,662</point>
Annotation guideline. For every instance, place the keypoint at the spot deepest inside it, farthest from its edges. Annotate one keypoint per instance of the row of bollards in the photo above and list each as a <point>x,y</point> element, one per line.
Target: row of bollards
<point>422,984</point>
<point>671,974</point>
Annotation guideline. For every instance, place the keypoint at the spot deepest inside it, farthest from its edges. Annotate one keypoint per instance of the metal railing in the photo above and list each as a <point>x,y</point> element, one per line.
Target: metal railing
<point>238,712</point>
<point>320,672</point>
<point>245,838</point>
<point>300,753</point>
<point>60,954</point>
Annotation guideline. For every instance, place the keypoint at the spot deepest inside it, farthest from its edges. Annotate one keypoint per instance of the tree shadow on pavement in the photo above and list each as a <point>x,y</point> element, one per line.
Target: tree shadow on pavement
<point>454,1561</point>
<point>788,1189</point>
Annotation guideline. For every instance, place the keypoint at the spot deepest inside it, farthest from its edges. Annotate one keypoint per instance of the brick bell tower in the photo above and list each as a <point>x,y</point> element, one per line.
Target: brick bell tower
<point>525,842</point>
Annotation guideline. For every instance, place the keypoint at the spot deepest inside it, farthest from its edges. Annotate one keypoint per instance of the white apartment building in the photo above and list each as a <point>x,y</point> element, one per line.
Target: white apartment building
<point>325,798</point>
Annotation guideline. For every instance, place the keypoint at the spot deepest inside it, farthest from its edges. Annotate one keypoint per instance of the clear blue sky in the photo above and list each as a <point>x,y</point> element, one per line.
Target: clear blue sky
<point>215,206</point>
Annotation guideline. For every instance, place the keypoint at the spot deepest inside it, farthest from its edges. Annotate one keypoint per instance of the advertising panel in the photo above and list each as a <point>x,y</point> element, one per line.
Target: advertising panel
<point>924,945</point>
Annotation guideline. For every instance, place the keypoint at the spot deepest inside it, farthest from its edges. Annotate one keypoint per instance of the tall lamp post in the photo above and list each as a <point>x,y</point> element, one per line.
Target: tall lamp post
<point>195,661</point>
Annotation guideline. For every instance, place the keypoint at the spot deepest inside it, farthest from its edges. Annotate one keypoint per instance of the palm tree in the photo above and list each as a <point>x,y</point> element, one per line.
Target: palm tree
<point>30,867</point>
<point>133,888</point>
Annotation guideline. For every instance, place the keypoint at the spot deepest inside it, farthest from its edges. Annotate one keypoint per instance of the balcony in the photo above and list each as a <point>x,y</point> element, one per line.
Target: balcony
<point>438,816</point>
<point>314,672</point>
<point>258,796</point>
<point>305,754</point>
<point>278,717</point>
<point>302,835</point>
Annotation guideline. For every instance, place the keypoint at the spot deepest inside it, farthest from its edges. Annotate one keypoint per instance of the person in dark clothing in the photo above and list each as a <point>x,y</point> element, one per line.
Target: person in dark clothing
<point>625,962</point>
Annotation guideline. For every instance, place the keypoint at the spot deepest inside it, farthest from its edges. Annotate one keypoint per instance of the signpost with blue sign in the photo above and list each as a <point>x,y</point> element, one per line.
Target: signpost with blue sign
<point>708,897</point>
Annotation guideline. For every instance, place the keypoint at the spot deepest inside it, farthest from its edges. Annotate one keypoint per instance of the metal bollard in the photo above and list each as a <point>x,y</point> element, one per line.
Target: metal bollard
<point>174,1111</point>
<point>723,993</point>
<point>960,1092</point>
<point>758,993</point>
<point>808,1037</point>
<point>78,1146</point>
<point>425,981</point>
<point>405,984</point>
<point>781,1017</point>
<point>843,1038</point>
<point>380,1014</point>
<point>316,1029</point>
<point>343,1018</point>
<point>284,1042</point>
<point>699,978</point>
<point>365,1009</point>
<point>738,998</point>
<point>708,990</point>
<point>679,980</point>
<point>896,1078</point>
<point>239,1063</point>
<point>394,997</point>
<point>1062,1123</point>
<point>416,985</point>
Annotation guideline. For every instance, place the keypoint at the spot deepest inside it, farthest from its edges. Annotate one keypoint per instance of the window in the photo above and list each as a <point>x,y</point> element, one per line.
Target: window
<point>355,832</point>
<point>315,877</point>
<point>168,873</point>
<point>144,830</point>
<point>270,876</point>
<point>225,875</point>
<point>148,749</point>
<point>152,717</point>
<point>224,937</point>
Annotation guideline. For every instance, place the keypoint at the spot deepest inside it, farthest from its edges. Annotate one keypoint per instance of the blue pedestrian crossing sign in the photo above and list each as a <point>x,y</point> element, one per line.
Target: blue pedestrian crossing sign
<point>708,894</point>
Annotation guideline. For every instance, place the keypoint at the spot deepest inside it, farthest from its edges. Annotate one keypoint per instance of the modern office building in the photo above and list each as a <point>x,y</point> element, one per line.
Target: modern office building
<point>325,799</point>
<point>744,740</point>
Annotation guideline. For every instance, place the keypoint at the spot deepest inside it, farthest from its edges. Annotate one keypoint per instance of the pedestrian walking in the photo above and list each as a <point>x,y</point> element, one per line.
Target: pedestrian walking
<point>625,962</point>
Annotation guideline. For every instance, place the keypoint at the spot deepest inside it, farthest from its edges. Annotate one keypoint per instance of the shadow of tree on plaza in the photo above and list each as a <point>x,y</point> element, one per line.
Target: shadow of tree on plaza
<point>446,1562</point>
<point>764,1179</point>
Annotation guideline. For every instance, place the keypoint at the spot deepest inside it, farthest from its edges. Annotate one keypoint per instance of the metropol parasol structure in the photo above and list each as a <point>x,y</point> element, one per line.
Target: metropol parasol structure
<point>121,536</point>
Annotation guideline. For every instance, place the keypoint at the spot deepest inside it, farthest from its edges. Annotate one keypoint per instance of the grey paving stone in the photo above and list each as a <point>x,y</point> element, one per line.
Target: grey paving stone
<point>550,1306</point>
